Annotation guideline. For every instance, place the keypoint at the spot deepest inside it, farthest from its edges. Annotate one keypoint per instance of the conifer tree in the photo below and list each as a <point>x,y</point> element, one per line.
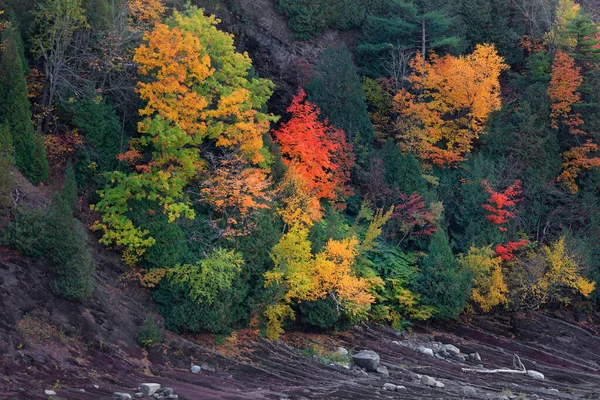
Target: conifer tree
<point>30,154</point>
<point>6,181</point>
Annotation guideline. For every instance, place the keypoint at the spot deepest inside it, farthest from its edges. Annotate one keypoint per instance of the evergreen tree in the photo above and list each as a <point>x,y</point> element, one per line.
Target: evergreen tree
<point>6,180</point>
<point>336,89</point>
<point>442,282</point>
<point>30,154</point>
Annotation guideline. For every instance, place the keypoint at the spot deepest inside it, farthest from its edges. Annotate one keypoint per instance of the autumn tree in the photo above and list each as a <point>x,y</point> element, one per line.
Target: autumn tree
<point>566,78</point>
<point>316,151</point>
<point>489,287</point>
<point>198,92</point>
<point>451,101</point>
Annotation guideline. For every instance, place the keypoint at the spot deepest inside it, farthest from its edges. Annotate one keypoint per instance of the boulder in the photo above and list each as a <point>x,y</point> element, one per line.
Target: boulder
<point>389,386</point>
<point>554,391</point>
<point>475,357</point>
<point>367,359</point>
<point>148,389</point>
<point>451,349</point>
<point>195,369</point>
<point>166,391</point>
<point>383,370</point>
<point>439,384</point>
<point>428,381</point>
<point>535,374</point>
<point>468,391</point>
<point>121,396</point>
<point>400,388</point>
<point>425,350</point>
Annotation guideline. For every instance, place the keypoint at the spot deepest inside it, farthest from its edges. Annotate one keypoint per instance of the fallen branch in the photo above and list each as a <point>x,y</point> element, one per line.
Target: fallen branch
<point>517,364</point>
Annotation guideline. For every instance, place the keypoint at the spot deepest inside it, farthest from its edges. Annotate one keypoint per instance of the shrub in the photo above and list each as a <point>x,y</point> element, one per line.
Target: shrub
<point>320,313</point>
<point>149,334</point>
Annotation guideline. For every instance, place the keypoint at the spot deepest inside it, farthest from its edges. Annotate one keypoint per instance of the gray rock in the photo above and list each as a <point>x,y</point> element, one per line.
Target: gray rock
<point>367,359</point>
<point>50,392</point>
<point>475,357</point>
<point>80,390</point>
<point>148,389</point>
<point>461,358</point>
<point>96,387</point>
<point>443,353</point>
<point>389,386</point>
<point>138,394</point>
<point>195,369</point>
<point>121,396</point>
<point>469,391</point>
<point>535,374</point>
<point>439,384</point>
<point>166,391</point>
<point>555,391</point>
<point>400,389</point>
<point>172,396</point>
<point>429,381</point>
<point>501,397</point>
<point>383,370</point>
<point>342,351</point>
<point>450,348</point>
<point>425,350</point>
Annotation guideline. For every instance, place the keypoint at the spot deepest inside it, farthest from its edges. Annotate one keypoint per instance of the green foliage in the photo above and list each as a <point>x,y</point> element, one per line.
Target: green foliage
<point>402,171</point>
<point>30,154</point>
<point>150,333</point>
<point>308,18</point>
<point>26,233</point>
<point>320,313</point>
<point>69,191</point>
<point>210,276</point>
<point>336,89</point>
<point>6,158</point>
<point>444,285</point>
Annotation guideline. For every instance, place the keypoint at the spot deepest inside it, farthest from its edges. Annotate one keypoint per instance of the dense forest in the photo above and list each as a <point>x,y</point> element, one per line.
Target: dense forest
<point>444,162</point>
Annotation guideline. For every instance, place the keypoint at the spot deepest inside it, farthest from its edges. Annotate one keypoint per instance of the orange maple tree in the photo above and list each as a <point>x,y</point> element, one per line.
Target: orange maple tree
<point>451,101</point>
<point>566,78</point>
<point>315,150</point>
<point>147,12</point>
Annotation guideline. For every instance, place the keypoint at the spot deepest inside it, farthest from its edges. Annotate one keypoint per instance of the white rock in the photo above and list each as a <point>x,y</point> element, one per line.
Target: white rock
<point>389,386</point>
<point>342,351</point>
<point>425,350</point>
<point>439,384</point>
<point>535,374</point>
<point>553,391</point>
<point>450,348</point>
<point>148,389</point>
<point>96,387</point>
<point>195,369</point>
<point>400,389</point>
<point>50,392</point>
<point>427,380</point>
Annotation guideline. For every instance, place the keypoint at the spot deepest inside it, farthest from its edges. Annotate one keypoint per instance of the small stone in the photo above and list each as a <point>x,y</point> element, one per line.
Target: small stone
<point>400,389</point>
<point>148,389</point>
<point>342,351</point>
<point>427,380</point>
<point>480,366</point>
<point>425,350</point>
<point>172,396</point>
<point>80,390</point>
<point>383,370</point>
<point>439,384</point>
<point>121,396</point>
<point>138,394</point>
<point>461,357</point>
<point>450,348</point>
<point>195,369</point>
<point>469,391</point>
<point>96,387</point>
<point>535,374</point>
<point>443,353</point>
<point>475,357</point>
<point>167,391</point>
<point>367,359</point>
<point>50,392</point>
<point>555,391</point>
<point>389,386</point>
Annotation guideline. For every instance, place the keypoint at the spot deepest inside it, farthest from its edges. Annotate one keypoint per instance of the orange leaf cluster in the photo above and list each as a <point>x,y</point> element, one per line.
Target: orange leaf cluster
<point>453,99</point>
<point>179,62</point>
<point>566,78</point>
<point>149,12</point>
<point>499,202</point>
<point>315,150</point>
<point>578,159</point>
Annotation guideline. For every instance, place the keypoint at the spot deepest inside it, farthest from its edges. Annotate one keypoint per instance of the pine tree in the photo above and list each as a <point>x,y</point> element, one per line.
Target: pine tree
<point>6,180</point>
<point>336,89</point>
<point>443,283</point>
<point>30,154</point>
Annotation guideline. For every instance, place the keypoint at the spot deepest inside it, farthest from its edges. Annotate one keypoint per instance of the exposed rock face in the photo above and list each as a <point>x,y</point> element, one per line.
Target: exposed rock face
<point>367,359</point>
